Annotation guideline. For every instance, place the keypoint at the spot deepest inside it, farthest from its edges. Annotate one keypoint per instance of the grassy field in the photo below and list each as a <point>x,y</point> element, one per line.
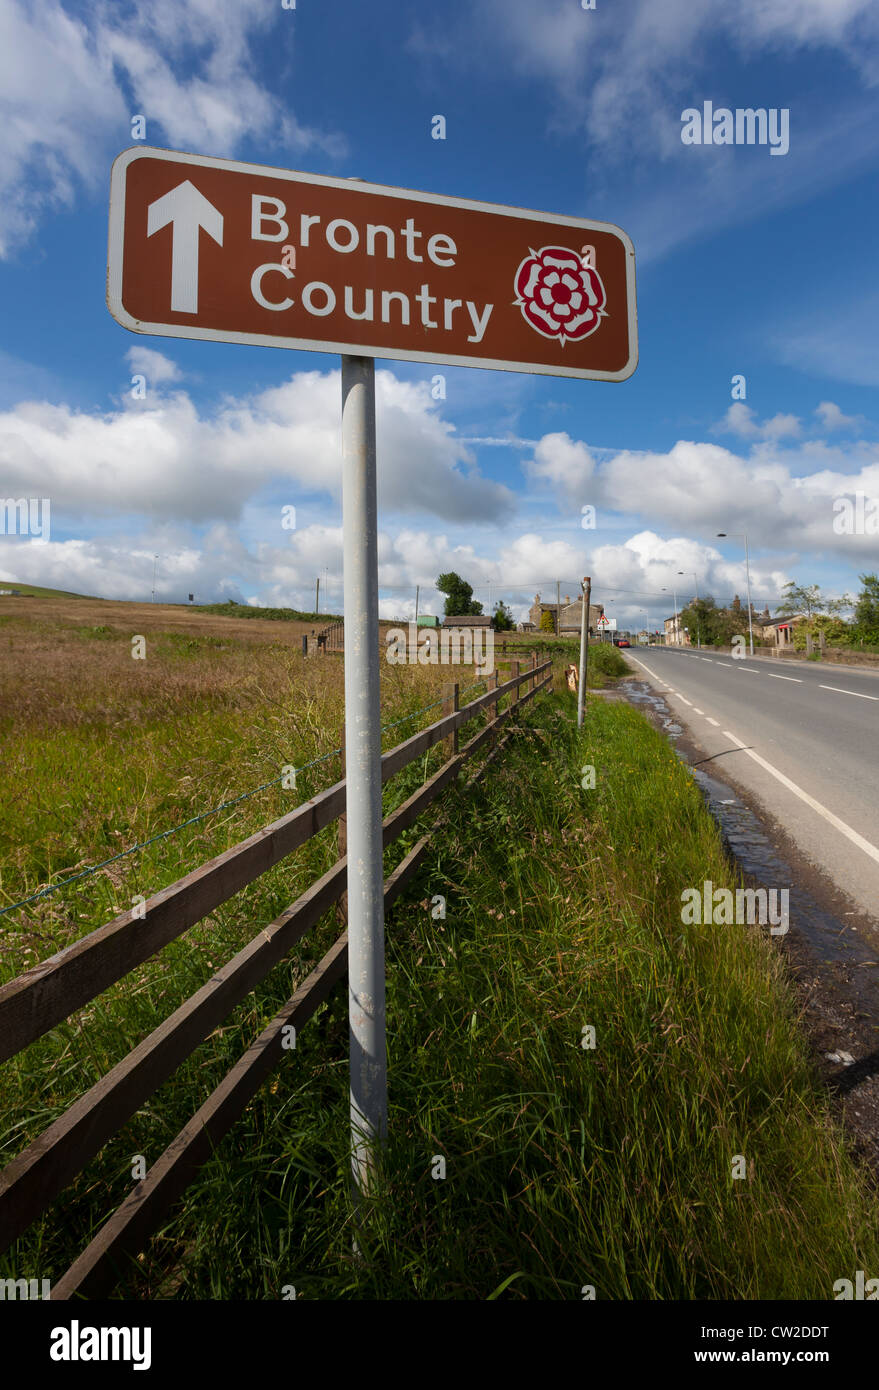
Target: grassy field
<point>37,591</point>
<point>565,1166</point>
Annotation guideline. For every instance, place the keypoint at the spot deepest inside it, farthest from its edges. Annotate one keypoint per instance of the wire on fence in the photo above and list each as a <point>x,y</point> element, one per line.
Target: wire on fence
<point>203,815</point>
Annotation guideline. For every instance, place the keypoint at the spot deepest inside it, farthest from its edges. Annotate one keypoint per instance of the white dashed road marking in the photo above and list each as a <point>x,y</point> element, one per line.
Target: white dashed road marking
<point>840,825</point>
<point>856,693</point>
<point>785,678</point>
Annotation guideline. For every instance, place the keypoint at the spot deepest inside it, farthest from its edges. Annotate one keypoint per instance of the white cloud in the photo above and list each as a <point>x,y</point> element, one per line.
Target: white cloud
<point>622,78</point>
<point>832,417</point>
<point>741,420</point>
<point>614,78</point>
<point>161,458</point>
<point>566,464</point>
<point>782,499</point>
<point>155,366</point>
<point>634,574</point>
<point>70,86</point>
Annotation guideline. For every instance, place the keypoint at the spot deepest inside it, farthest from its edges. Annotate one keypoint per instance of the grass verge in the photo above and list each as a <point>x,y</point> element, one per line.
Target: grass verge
<point>566,1165</point>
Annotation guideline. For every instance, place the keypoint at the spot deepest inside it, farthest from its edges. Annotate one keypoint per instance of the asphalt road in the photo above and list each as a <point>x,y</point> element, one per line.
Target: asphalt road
<point>802,739</point>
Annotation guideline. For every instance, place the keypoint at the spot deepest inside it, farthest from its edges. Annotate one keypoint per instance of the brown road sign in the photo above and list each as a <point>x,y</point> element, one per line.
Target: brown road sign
<point>242,253</point>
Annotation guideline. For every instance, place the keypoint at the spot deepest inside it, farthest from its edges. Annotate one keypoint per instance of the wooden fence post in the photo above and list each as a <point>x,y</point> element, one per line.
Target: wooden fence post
<point>342,904</point>
<point>533,681</point>
<point>493,683</point>
<point>450,706</point>
<point>514,672</point>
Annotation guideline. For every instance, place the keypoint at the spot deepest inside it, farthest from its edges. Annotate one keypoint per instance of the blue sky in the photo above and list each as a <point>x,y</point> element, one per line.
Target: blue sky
<point>747,263</point>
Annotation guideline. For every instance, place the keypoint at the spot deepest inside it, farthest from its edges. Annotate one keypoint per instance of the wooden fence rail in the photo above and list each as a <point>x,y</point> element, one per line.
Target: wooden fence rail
<point>37,1001</point>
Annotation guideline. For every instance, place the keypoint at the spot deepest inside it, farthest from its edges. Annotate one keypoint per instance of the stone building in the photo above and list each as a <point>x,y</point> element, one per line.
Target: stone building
<point>567,616</point>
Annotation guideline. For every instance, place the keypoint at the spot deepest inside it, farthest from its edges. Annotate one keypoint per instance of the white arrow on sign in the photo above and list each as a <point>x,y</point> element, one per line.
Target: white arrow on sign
<point>187,210</point>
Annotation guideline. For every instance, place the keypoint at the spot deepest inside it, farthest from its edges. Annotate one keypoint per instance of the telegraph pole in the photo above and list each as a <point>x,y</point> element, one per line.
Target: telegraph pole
<point>584,648</point>
<point>417,592</point>
<point>317,596</point>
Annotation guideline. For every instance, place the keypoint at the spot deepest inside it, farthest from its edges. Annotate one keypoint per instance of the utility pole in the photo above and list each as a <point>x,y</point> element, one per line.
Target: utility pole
<point>155,563</point>
<point>417,592</point>
<point>584,647</point>
<point>696,611</point>
<point>317,596</point>
<point>558,607</point>
<point>744,537</point>
<point>748,573</point>
<point>698,625</point>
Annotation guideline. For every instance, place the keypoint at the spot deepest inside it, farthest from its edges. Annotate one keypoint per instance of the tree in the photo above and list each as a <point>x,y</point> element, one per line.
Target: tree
<point>502,618</point>
<point>806,599</point>
<point>547,623</point>
<point>817,609</point>
<point>867,609</point>
<point>459,596</point>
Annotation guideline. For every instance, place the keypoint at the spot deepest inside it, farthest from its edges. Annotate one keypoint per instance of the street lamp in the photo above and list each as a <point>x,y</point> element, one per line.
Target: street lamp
<point>698,624</point>
<point>740,535</point>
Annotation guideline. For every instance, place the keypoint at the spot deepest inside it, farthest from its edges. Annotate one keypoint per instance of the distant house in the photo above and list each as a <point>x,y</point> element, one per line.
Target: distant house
<point>567,616</point>
<point>780,629</point>
<point>676,635</point>
<point>468,620</point>
<point>526,626</point>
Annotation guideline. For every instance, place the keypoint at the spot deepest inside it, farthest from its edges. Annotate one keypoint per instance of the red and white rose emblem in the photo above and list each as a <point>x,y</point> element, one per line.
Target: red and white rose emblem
<point>559,295</point>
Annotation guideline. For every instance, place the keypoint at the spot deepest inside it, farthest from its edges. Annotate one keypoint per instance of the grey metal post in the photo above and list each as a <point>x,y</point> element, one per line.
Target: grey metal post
<point>698,625</point>
<point>366,946</point>
<point>584,647</point>
<point>748,574</point>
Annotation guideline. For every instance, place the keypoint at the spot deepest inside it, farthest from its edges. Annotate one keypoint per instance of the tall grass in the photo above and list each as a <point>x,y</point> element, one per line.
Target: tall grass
<point>566,1165</point>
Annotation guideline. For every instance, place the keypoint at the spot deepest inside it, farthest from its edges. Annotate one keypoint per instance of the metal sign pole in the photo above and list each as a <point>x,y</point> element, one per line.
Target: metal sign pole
<point>584,646</point>
<point>366,945</point>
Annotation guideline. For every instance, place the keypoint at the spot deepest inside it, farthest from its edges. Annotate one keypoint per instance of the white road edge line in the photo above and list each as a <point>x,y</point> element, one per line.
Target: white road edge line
<point>833,820</point>
<point>839,690</point>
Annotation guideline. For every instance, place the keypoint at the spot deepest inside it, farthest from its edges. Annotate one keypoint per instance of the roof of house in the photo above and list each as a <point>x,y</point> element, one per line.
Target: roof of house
<point>479,620</point>
<point>783,622</point>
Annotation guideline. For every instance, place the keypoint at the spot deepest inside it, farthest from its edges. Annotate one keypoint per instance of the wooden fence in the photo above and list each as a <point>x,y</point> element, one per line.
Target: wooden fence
<point>44,996</point>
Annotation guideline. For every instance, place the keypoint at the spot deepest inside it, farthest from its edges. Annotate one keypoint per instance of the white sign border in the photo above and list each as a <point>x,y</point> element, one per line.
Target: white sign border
<point>354,186</point>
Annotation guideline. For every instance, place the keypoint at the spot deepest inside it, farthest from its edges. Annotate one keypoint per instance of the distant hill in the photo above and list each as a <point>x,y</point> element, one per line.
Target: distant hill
<point>35,591</point>
<point>246,610</point>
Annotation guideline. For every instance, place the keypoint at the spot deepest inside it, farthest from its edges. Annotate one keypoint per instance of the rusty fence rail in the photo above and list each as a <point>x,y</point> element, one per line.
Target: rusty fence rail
<point>35,1002</point>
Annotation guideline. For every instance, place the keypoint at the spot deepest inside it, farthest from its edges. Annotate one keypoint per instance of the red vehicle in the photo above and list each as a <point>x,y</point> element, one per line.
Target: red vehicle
<point>621,642</point>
